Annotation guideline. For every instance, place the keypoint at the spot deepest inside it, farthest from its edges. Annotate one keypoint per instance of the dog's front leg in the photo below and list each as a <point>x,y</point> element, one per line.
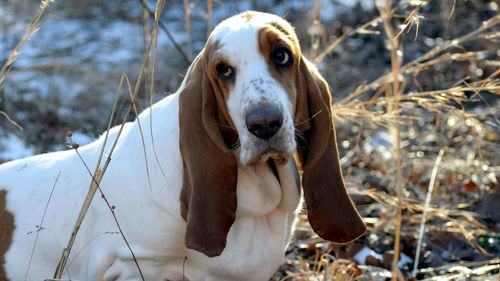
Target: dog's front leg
<point>152,268</point>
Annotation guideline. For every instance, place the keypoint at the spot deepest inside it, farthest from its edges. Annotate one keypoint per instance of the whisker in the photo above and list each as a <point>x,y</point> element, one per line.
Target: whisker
<point>227,126</point>
<point>299,136</point>
<point>234,146</point>
<point>308,119</point>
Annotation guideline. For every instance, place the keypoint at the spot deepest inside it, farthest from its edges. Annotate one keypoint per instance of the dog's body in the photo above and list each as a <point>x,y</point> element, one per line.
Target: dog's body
<point>211,207</point>
<point>149,216</point>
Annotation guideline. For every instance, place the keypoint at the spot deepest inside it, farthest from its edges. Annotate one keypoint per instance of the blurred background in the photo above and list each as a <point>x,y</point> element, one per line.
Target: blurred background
<point>66,75</point>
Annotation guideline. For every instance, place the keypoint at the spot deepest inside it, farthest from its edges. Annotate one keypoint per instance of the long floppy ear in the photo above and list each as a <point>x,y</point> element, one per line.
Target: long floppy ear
<point>331,212</point>
<point>208,195</point>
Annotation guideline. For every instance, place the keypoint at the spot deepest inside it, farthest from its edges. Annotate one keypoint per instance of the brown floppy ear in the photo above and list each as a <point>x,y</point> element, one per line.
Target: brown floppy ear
<point>208,195</point>
<point>331,212</point>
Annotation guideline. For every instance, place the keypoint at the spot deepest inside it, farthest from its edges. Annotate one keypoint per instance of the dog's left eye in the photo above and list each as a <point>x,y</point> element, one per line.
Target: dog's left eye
<point>282,57</point>
<point>224,71</point>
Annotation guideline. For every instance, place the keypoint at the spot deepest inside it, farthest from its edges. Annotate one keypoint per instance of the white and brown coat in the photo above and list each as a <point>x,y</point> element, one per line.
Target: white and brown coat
<point>220,203</point>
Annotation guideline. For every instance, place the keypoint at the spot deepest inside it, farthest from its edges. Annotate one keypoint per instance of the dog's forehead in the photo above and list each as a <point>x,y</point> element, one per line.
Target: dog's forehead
<point>240,33</point>
<point>243,24</point>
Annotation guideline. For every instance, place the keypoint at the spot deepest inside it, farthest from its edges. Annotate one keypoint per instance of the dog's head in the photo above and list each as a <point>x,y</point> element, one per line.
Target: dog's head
<point>251,96</point>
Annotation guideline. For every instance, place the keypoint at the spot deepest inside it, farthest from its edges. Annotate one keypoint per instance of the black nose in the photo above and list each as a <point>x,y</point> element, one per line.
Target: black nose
<point>264,122</point>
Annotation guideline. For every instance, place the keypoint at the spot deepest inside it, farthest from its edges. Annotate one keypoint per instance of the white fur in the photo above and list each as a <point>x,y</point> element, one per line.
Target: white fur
<point>149,209</point>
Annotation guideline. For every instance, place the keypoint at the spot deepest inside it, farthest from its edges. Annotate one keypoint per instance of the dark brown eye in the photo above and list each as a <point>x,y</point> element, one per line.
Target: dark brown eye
<point>281,57</point>
<point>224,71</point>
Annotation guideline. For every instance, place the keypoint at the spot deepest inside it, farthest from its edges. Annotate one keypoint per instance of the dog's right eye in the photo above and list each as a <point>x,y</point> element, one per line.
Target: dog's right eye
<point>282,57</point>
<point>225,71</point>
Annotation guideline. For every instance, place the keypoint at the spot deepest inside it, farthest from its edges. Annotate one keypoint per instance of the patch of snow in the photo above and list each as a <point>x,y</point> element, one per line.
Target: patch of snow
<point>81,138</point>
<point>360,257</point>
<point>403,260</point>
<point>382,140</point>
<point>30,86</point>
<point>14,147</point>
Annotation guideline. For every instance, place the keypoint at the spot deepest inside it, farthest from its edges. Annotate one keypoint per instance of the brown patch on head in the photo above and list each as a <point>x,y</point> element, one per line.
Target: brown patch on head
<point>281,35</point>
<point>248,15</point>
<point>211,58</point>
<point>331,212</point>
<point>286,28</point>
<point>6,231</point>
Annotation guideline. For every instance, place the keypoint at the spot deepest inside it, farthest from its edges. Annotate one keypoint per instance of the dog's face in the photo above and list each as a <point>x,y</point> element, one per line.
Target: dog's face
<point>251,86</point>
<point>257,63</point>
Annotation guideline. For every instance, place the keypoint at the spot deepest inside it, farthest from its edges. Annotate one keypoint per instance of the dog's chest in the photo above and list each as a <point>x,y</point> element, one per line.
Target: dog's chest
<point>255,249</point>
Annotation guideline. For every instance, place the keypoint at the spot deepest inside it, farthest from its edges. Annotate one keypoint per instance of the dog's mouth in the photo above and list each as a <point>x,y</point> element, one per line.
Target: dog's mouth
<point>270,155</point>
<point>272,164</point>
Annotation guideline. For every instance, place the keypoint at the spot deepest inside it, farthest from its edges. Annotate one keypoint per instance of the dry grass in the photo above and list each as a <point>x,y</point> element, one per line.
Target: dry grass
<point>31,29</point>
<point>385,103</point>
<point>99,171</point>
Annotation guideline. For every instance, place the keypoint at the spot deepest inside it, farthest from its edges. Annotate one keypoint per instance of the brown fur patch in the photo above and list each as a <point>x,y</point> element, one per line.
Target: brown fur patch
<point>6,231</point>
<point>211,58</point>
<point>247,15</point>
<point>331,212</point>
<point>281,35</point>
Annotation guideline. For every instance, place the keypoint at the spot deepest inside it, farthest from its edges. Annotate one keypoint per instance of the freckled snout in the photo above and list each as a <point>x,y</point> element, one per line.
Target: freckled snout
<point>264,122</point>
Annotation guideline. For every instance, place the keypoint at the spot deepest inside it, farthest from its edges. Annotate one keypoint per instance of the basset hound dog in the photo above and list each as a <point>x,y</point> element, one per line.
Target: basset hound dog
<point>220,200</point>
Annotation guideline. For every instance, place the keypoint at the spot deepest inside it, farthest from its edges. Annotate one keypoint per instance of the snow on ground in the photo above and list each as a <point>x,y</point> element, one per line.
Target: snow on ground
<point>13,147</point>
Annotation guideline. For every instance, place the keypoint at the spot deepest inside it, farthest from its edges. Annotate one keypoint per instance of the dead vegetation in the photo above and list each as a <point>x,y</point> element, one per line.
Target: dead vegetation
<point>420,138</point>
<point>425,192</point>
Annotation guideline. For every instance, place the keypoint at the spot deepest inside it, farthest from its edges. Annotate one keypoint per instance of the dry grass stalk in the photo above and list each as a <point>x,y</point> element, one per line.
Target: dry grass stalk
<point>30,30</point>
<point>395,90</point>
<point>315,30</point>
<point>99,173</point>
<point>210,4</point>
<point>96,179</point>
<point>159,7</point>
<point>426,208</point>
<point>4,114</point>
<point>438,101</point>
<point>363,29</point>
<point>187,22</point>
<point>413,18</point>
<point>206,14</point>
<point>169,35</point>
<point>40,225</point>
<point>146,30</point>
<point>111,209</point>
<point>325,267</point>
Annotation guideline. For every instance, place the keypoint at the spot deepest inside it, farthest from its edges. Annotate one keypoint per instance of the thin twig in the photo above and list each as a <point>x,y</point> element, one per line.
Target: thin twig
<point>142,137</point>
<point>98,172</point>
<point>10,120</point>
<point>40,225</point>
<point>396,59</point>
<point>111,209</point>
<point>158,10</point>
<point>316,28</point>
<point>426,208</point>
<point>210,5</point>
<point>31,29</point>
<point>90,193</point>
<point>169,35</point>
<point>187,22</point>
<point>344,36</point>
